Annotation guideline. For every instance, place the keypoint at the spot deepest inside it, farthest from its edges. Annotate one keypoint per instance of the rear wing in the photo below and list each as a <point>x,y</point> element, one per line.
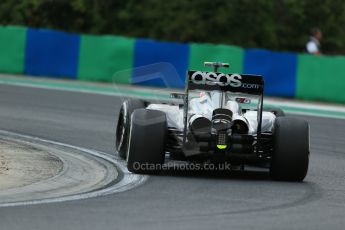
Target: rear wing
<point>236,83</point>
<point>241,83</point>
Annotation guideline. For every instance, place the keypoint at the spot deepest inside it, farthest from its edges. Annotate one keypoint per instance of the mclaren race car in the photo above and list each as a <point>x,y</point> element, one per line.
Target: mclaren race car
<point>221,119</point>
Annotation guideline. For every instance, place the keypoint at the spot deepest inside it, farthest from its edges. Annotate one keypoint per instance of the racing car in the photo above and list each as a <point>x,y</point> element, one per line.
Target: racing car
<point>220,118</point>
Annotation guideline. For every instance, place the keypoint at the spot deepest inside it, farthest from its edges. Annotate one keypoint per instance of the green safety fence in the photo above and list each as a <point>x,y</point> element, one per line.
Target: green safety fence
<point>321,78</point>
<point>111,59</point>
<point>101,57</point>
<point>12,49</point>
<point>221,53</point>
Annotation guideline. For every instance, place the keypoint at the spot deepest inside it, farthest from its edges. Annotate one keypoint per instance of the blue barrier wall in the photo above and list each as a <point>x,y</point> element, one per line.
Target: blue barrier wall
<point>278,68</point>
<point>51,53</point>
<point>148,52</point>
<point>44,52</point>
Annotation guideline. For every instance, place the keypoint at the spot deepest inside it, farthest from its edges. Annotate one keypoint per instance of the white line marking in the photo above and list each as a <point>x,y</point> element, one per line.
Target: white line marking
<point>128,181</point>
<point>272,101</point>
<point>306,105</point>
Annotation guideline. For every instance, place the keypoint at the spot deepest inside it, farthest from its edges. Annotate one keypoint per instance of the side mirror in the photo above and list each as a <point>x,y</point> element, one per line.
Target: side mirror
<point>219,64</point>
<point>216,65</point>
<point>177,95</point>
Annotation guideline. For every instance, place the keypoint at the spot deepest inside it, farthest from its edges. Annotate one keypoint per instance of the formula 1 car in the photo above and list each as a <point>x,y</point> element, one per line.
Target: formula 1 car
<point>221,119</point>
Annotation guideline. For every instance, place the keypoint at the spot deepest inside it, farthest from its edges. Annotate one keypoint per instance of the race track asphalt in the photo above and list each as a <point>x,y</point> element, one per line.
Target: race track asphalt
<point>173,200</point>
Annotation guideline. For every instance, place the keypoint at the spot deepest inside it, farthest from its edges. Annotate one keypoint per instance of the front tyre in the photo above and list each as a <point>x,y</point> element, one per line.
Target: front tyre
<point>291,149</point>
<point>123,123</point>
<point>147,138</point>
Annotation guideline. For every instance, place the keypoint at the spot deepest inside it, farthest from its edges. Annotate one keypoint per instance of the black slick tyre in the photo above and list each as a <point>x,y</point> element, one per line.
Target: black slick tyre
<point>123,124</point>
<point>290,157</point>
<point>148,134</point>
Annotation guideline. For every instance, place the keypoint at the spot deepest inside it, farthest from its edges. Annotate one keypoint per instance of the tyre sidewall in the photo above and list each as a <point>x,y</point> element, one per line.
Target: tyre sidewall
<point>291,149</point>
<point>146,149</point>
<point>126,111</point>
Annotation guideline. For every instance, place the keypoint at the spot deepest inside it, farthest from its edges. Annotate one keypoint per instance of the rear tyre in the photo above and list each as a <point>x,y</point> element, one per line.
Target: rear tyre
<point>291,149</point>
<point>148,134</point>
<point>123,123</point>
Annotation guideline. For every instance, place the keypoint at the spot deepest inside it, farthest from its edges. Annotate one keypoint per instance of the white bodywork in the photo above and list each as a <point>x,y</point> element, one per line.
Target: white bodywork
<point>204,106</point>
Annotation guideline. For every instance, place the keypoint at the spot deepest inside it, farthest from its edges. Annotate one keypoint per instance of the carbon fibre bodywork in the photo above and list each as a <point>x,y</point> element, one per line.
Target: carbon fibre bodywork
<point>215,120</point>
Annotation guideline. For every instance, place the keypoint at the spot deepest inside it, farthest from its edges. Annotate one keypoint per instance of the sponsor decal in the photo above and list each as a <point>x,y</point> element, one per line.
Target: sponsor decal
<point>220,79</point>
<point>242,100</point>
<point>202,94</point>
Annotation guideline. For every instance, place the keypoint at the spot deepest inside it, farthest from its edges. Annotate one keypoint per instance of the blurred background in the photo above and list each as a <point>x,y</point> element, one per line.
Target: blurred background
<point>271,24</point>
<point>95,39</point>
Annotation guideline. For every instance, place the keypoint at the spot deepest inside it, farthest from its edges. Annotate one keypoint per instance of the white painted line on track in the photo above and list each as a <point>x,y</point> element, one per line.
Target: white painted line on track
<point>305,105</point>
<point>128,181</point>
<point>290,106</point>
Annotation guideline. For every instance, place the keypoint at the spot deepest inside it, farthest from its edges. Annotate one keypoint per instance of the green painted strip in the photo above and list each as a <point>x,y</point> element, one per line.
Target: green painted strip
<point>290,109</point>
<point>12,49</point>
<point>209,52</point>
<point>80,86</point>
<point>321,78</point>
<point>101,57</point>
<point>148,93</point>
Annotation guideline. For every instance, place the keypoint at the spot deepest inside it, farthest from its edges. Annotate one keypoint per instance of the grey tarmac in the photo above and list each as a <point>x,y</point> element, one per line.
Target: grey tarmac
<point>174,199</point>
